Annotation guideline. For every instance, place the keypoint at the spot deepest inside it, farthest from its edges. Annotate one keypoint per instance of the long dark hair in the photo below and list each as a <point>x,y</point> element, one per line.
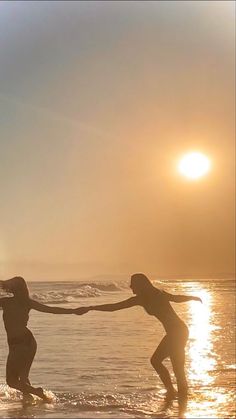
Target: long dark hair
<point>142,281</point>
<point>18,287</point>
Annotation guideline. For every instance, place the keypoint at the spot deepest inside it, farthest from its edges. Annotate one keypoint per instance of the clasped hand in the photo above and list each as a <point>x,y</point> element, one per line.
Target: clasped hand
<point>80,310</point>
<point>197,299</point>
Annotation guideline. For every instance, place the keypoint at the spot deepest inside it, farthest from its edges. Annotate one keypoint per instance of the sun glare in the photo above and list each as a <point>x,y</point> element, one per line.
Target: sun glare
<point>194,165</point>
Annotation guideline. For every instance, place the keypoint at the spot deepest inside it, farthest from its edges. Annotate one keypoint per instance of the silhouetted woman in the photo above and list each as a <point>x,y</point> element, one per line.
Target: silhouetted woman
<point>157,303</point>
<point>22,344</point>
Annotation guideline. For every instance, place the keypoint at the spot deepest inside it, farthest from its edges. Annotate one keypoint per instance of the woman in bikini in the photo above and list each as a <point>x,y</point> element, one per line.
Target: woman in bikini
<point>157,303</point>
<point>21,342</point>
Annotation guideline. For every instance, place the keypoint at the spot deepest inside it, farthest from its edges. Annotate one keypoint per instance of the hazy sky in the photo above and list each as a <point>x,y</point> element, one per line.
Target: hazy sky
<point>98,100</point>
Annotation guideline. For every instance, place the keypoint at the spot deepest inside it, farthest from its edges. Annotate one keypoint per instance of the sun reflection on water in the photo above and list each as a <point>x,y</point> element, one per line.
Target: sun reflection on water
<point>206,400</point>
<point>201,351</point>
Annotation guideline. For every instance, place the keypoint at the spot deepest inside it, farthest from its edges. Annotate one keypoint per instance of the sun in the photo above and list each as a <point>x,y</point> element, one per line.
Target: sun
<point>194,165</point>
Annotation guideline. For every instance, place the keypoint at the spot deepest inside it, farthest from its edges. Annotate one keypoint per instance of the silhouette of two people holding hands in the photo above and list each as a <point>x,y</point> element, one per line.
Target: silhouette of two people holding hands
<point>22,344</point>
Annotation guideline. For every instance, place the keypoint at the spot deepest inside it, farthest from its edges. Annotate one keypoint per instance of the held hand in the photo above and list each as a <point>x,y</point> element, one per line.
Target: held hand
<point>197,299</point>
<point>81,310</point>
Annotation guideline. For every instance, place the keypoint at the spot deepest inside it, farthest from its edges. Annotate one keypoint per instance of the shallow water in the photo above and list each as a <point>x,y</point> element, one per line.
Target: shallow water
<point>97,365</point>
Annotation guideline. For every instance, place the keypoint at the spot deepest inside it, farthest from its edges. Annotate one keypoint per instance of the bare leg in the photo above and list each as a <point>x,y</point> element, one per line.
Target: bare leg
<point>178,360</point>
<point>26,363</point>
<point>19,361</point>
<point>159,355</point>
<point>27,389</point>
<point>177,357</point>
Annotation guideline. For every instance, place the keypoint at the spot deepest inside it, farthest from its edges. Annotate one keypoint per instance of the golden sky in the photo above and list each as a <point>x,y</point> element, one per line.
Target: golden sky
<point>98,101</point>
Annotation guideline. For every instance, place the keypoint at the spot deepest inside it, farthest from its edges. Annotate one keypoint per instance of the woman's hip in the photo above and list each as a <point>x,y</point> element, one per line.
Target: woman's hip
<point>25,343</point>
<point>178,335</point>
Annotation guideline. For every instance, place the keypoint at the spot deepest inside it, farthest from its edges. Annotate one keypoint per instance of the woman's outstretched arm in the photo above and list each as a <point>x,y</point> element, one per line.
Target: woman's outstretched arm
<point>131,302</point>
<point>56,310</point>
<point>181,298</point>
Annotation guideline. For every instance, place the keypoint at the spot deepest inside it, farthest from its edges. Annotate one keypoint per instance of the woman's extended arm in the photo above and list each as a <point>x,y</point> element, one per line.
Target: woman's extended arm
<point>55,310</point>
<point>131,302</point>
<point>181,298</point>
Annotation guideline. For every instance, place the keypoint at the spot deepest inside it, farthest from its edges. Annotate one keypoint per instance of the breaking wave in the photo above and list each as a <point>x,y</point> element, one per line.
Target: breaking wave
<point>63,296</point>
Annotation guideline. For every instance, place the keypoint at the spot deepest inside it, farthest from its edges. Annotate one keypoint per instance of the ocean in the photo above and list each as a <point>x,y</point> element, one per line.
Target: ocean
<point>98,365</point>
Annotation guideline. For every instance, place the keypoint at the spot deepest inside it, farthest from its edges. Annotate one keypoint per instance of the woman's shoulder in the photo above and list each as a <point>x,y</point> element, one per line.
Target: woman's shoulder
<point>158,293</point>
<point>5,300</point>
<point>12,301</point>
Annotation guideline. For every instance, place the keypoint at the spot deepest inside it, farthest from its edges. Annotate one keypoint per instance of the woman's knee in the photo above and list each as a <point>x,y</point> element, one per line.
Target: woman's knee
<point>156,363</point>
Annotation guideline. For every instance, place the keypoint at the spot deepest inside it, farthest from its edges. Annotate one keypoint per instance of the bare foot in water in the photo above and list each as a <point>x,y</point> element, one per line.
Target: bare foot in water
<point>40,393</point>
<point>27,399</point>
<point>171,395</point>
